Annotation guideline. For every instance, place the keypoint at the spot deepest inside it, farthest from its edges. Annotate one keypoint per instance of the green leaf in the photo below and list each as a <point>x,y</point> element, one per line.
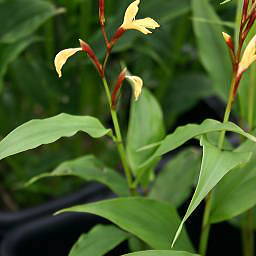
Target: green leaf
<point>236,192</point>
<point>20,18</point>
<point>98,241</point>
<point>212,49</point>
<point>44,131</point>
<point>144,112</point>
<point>28,69</point>
<point>88,168</point>
<point>9,52</point>
<point>187,132</point>
<point>215,165</point>
<point>175,182</point>
<point>160,253</point>
<point>154,222</point>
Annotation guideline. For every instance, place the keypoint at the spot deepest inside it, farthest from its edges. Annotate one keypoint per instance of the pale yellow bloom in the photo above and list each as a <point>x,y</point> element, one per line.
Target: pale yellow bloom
<point>62,57</point>
<point>142,24</point>
<point>137,84</point>
<point>249,56</point>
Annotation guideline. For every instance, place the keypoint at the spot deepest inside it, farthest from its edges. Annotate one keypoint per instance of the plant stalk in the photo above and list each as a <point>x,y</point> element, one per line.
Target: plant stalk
<point>206,226</point>
<point>247,227</point>
<point>119,140</point>
<point>248,234</point>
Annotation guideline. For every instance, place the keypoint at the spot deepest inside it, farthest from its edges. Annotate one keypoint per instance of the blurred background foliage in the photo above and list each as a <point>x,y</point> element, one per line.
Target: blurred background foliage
<point>184,63</point>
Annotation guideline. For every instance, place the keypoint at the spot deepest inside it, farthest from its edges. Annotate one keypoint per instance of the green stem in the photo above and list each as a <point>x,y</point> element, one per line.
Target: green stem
<point>248,234</point>
<point>119,140</point>
<point>227,111</point>
<point>206,226</point>
<point>251,97</point>
<point>247,227</point>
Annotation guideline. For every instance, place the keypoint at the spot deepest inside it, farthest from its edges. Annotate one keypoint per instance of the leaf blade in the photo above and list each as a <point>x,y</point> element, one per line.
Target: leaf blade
<point>133,214</point>
<point>98,241</point>
<point>212,49</point>
<point>215,165</point>
<point>160,253</point>
<point>44,131</point>
<point>141,132</point>
<point>187,132</point>
<point>177,178</point>
<point>29,15</point>
<point>236,191</point>
<point>88,168</point>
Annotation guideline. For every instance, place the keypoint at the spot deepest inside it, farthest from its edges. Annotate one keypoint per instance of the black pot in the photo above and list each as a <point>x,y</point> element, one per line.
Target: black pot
<point>36,231</point>
<point>52,235</point>
<point>89,193</point>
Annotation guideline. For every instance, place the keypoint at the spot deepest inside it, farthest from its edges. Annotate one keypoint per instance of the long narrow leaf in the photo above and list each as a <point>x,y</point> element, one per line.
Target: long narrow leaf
<point>215,165</point>
<point>44,131</point>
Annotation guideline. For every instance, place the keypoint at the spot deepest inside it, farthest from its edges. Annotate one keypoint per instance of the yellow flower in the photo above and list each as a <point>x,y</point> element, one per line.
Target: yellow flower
<point>249,56</point>
<point>62,57</point>
<point>142,24</point>
<point>137,84</point>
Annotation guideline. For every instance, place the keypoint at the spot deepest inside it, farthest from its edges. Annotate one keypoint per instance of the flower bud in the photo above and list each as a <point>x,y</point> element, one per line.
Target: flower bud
<point>119,32</point>
<point>117,87</point>
<point>102,12</point>
<point>86,47</point>
<point>245,9</point>
<point>228,41</point>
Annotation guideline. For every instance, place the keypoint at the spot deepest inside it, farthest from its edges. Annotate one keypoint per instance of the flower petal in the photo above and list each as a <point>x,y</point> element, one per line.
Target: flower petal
<point>244,66</point>
<point>131,12</point>
<point>137,84</point>
<point>135,26</point>
<point>147,23</point>
<point>62,57</point>
<point>248,56</point>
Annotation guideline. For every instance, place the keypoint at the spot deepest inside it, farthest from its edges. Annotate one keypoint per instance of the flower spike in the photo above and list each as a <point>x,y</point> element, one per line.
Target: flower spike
<point>136,83</point>
<point>142,25</point>
<point>62,57</point>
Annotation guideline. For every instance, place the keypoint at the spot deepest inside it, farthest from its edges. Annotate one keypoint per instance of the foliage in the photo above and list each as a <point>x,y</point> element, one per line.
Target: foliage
<point>105,125</point>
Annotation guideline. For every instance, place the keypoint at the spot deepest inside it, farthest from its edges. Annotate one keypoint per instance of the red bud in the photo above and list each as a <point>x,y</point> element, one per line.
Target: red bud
<point>229,41</point>
<point>119,32</point>
<point>102,12</point>
<point>245,9</point>
<point>117,87</point>
<point>86,47</point>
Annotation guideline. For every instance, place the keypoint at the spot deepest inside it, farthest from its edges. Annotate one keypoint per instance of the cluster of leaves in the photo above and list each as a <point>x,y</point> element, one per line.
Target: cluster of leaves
<point>30,88</point>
